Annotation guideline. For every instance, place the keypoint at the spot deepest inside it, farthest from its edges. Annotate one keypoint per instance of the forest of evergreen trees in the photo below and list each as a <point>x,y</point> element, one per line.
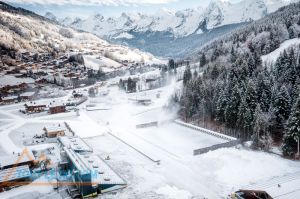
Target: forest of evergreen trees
<point>253,100</point>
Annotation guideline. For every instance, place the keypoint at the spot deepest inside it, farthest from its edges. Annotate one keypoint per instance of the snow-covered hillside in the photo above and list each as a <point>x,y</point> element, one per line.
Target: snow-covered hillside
<point>273,56</point>
<point>21,31</point>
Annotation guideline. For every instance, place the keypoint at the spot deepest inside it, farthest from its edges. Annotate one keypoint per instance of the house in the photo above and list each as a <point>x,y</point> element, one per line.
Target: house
<point>34,107</point>
<point>10,84</point>
<point>27,96</point>
<point>9,99</point>
<point>57,107</point>
<point>54,131</point>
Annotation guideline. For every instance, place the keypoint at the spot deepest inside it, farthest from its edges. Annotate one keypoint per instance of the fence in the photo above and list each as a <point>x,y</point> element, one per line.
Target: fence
<point>146,125</point>
<point>217,146</point>
<point>69,128</point>
<point>203,130</point>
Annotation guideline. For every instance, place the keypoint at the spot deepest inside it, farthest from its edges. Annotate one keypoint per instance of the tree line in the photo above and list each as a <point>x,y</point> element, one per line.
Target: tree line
<point>251,99</point>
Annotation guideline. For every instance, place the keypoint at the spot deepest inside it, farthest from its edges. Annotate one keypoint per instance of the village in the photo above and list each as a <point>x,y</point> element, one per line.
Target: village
<point>26,76</point>
<point>112,135</point>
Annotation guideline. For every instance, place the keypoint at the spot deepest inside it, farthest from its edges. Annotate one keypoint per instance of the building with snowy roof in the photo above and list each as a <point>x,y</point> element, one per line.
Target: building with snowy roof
<point>90,173</point>
<point>27,96</point>
<point>75,143</point>
<point>35,107</point>
<point>57,107</point>
<point>10,161</point>
<point>54,131</point>
<point>12,84</point>
<point>14,176</point>
<point>9,99</point>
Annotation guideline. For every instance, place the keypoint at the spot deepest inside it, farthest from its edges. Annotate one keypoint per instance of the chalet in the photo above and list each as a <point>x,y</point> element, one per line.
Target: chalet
<point>10,84</point>
<point>34,107</point>
<point>9,100</point>
<point>27,96</point>
<point>54,131</point>
<point>57,107</point>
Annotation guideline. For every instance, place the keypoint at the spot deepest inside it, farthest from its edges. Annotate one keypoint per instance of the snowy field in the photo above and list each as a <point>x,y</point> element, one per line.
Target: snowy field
<point>177,139</point>
<point>134,152</point>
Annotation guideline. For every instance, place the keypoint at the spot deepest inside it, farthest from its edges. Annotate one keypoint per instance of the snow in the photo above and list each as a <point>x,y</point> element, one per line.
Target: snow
<point>95,64</point>
<point>272,57</point>
<point>173,192</point>
<point>124,35</point>
<point>134,153</point>
<point>181,23</point>
<point>184,140</point>
<point>13,81</point>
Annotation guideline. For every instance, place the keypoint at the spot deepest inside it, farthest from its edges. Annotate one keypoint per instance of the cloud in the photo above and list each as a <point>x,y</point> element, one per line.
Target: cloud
<point>91,2</point>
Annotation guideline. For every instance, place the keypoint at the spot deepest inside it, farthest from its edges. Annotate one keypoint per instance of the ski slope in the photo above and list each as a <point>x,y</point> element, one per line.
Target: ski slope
<point>272,57</point>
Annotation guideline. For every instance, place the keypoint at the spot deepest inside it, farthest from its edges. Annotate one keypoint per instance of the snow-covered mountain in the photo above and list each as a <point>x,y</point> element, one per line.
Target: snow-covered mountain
<point>181,23</point>
<point>169,27</point>
<point>51,16</point>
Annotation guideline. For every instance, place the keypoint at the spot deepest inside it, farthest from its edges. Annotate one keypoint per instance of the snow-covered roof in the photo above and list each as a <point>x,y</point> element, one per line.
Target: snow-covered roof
<point>56,103</point>
<point>27,94</point>
<point>101,173</point>
<point>15,173</point>
<point>75,143</point>
<point>54,128</point>
<point>13,81</point>
<point>10,98</point>
<point>13,159</point>
<point>36,103</point>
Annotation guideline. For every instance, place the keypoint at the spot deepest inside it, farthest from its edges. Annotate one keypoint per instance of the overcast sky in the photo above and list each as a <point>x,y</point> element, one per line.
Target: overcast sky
<point>85,8</point>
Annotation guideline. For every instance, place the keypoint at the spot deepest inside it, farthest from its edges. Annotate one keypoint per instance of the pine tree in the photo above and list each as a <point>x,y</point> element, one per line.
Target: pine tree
<point>187,75</point>
<point>292,134</point>
<point>251,96</point>
<point>251,65</point>
<point>215,72</point>
<point>221,104</point>
<point>203,60</point>
<point>231,110</point>
<point>233,56</point>
<point>171,64</point>
<point>248,122</point>
<point>261,138</point>
<point>281,106</point>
